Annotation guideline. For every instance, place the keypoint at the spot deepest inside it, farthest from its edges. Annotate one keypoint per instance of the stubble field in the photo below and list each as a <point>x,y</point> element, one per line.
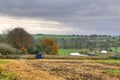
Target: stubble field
<point>62,69</point>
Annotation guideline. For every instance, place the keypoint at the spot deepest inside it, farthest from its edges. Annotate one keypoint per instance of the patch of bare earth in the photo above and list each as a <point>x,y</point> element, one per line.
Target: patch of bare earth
<point>75,70</point>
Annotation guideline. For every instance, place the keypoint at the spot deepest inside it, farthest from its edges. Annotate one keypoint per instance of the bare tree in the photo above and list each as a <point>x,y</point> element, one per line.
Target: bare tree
<point>19,38</point>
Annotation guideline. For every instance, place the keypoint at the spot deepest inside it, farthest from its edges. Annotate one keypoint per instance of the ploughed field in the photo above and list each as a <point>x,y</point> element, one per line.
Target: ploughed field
<point>48,69</point>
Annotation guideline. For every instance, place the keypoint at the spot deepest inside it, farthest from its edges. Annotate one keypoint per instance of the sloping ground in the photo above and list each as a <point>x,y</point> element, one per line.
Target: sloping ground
<point>25,72</point>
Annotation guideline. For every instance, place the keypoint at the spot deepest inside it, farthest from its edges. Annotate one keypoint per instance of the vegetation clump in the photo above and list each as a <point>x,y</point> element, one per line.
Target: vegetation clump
<point>84,51</point>
<point>6,49</point>
<point>113,72</point>
<point>24,50</point>
<point>6,75</point>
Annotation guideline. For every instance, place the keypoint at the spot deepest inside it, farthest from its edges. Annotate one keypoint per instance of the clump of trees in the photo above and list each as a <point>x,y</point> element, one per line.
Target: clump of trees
<point>49,46</point>
<point>20,39</point>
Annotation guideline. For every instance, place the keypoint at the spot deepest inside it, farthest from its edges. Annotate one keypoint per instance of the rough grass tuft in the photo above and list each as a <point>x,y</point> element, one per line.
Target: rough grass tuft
<point>113,72</point>
<point>117,62</point>
<point>3,62</point>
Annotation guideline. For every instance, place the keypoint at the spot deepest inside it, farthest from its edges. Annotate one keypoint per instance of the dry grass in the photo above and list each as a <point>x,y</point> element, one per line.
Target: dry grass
<point>25,72</point>
<point>60,70</point>
<point>76,70</point>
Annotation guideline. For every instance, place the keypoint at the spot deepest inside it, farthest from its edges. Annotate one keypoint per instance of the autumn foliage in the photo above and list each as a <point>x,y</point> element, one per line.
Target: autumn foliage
<point>24,50</point>
<point>49,46</point>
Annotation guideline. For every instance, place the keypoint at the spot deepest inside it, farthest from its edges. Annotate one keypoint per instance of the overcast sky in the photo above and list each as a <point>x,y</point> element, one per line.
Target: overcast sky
<point>61,16</point>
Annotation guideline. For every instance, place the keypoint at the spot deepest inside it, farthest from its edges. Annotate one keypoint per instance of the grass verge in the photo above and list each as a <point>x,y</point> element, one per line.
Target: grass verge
<point>3,62</point>
<point>112,72</point>
<point>116,62</point>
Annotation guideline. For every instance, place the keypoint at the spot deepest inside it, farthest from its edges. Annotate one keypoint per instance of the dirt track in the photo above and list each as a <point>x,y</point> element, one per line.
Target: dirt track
<point>60,70</point>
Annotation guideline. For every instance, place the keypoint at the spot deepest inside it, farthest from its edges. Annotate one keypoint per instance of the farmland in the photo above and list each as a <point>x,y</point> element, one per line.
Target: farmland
<point>63,69</point>
<point>91,42</point>
<point>18,62</point>
<point>67,51</point>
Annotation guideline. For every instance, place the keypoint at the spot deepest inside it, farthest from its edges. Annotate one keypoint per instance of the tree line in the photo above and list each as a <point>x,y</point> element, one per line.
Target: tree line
<point>19,39</point>
<point>85,41</point>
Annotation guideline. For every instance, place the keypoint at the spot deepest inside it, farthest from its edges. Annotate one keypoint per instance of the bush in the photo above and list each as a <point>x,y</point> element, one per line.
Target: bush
<point>6,49</point>
<point>84,51</point>
<point>115,57</point>
<point>32,50</point>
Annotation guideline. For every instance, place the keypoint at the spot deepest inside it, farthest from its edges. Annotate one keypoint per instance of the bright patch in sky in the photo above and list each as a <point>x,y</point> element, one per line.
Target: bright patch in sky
<point>32,25</point>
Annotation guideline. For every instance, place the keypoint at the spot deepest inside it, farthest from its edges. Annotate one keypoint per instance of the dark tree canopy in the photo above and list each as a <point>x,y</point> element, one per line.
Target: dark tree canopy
<point>19,38</point>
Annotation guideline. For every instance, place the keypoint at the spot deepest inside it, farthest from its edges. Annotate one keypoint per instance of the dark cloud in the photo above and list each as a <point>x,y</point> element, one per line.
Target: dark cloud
<point>89,15</point>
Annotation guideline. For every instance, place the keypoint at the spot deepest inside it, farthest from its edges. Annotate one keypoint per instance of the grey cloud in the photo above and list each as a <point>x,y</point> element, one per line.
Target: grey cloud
<point>90,15</point>
<point>59,8</point>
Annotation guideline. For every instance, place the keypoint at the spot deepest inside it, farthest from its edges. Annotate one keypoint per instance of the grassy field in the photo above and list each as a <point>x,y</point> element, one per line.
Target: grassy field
<point>113,38</point>
<point>115,49</point>
<point>67,51</point>
<point>56,36</point>
<point>111,62</point>
<point>117,62</point>
<point>63,69</point>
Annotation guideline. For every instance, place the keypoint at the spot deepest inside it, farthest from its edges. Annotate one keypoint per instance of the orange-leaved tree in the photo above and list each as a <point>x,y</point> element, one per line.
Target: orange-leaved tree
<point>49,46</point>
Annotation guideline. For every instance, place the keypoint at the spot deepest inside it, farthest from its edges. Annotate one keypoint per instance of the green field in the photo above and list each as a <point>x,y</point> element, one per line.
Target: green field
<point>102,42</point>
<point>67,51</point>
<point>117,62</point>
<point>115,49</point>
<point>111,62</point>
<point>104,38</point>
<point>56,36</point>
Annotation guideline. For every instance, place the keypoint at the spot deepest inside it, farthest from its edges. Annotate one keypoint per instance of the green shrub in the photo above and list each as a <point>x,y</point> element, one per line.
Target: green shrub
<point>84,51</point>
<point>6,49</point>
<point>115,56</point>
<point>32,50</point>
